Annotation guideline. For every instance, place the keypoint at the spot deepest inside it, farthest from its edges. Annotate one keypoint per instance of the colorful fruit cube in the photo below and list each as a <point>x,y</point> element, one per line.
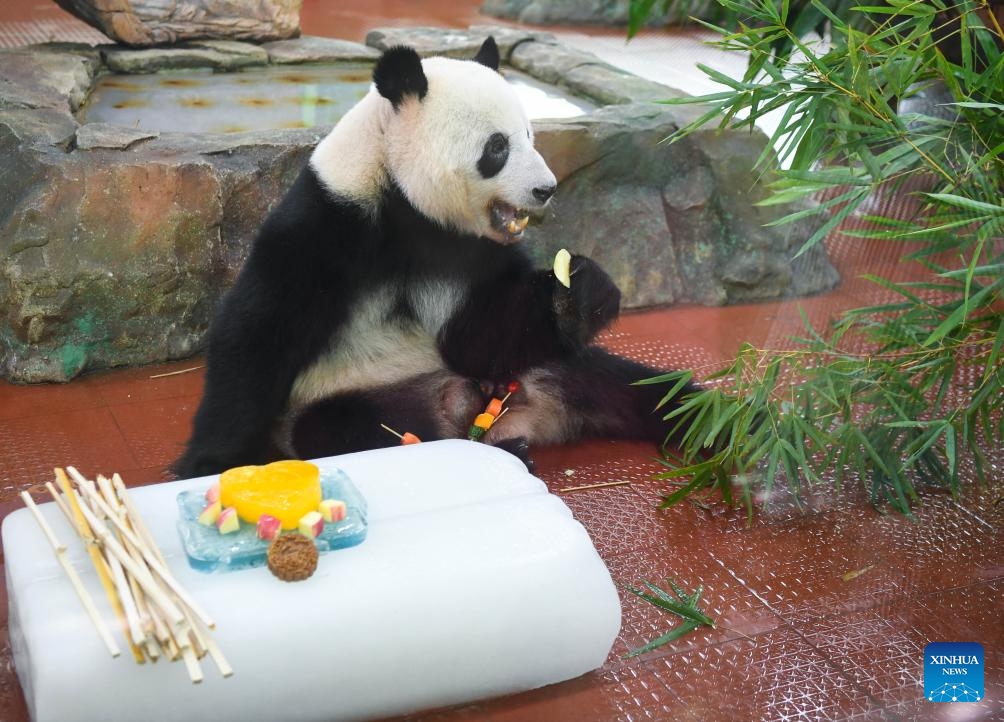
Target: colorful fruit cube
<point>268,527</point>
<point>332,510</point>
<point>228,522</point>
<point>211,513</point>
<point>311,524</point>
<point>213,493</point>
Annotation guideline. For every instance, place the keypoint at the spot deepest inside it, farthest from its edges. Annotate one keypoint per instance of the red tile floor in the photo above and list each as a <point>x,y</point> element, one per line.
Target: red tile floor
<point>800,635</point>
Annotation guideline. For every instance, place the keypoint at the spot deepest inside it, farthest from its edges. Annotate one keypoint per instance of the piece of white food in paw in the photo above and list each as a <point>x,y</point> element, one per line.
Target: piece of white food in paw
<point>562,267</point>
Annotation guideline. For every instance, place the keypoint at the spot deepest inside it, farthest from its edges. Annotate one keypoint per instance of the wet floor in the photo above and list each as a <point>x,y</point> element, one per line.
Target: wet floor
<point>822,615</point>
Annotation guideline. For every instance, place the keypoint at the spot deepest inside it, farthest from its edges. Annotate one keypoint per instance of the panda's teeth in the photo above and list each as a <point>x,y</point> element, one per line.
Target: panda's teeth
<point>521,222</point>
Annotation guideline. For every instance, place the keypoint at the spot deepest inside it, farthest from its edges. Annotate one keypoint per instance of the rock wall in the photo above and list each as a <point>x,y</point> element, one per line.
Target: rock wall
<point>155,22</point>
<point>116,243</point>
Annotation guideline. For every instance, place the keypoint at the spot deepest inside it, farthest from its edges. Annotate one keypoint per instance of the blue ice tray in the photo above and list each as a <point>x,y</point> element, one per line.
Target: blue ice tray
<point>210,551</point>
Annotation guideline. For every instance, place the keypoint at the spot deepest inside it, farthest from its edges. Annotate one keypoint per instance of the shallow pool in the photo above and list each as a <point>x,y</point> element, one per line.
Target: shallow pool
<point>194,101</point>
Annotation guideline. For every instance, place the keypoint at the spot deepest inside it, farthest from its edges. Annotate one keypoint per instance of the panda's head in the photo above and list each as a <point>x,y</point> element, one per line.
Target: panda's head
<point>458,143</point>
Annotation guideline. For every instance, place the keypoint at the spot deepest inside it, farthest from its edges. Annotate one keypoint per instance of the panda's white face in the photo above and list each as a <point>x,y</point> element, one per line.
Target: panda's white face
<point>463,152</point>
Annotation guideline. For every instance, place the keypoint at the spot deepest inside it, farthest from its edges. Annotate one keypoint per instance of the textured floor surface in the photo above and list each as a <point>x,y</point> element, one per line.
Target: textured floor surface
<point>822,615</point>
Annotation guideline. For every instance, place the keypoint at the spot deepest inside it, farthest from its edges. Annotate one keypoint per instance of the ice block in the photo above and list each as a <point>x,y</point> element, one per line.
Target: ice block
<point>472,582</point>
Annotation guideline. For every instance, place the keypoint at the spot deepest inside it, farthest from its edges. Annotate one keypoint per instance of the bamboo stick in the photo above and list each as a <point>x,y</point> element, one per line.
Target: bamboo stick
<point>78,586</point>
<point>135,517</point>
<point>217,656</point>
<point>54,493</point>
<point>99,562</point>
<point>175,373</point>
<point>593,486</point>
<point>136,633</point>
<point>150,557</point>
<point>143,575</point>
<point>191,664</point>
<point>126,584</point>
<point>158,617</point>
<point>90,543</point>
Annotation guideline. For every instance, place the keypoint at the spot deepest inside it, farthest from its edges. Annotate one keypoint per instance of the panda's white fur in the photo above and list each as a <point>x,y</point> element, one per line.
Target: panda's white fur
<point>376,347</point>
<point>430,147</point>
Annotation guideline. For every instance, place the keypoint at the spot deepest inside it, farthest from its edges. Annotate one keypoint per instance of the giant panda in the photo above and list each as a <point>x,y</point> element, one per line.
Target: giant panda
<point>388,287</point>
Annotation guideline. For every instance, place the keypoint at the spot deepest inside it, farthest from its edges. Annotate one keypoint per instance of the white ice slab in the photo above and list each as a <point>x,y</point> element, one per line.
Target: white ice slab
<point>473,582</point>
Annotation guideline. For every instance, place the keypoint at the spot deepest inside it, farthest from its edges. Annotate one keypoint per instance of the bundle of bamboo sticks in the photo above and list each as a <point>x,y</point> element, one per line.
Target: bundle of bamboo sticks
<point>156,615</point>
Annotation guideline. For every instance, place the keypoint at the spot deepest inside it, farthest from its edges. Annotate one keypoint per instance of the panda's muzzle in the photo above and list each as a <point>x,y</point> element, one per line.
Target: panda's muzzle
<point>508,220</point>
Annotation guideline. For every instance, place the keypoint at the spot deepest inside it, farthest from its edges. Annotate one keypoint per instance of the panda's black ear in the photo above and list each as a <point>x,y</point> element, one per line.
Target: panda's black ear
<point>398,74</point>
<point>488,55</point>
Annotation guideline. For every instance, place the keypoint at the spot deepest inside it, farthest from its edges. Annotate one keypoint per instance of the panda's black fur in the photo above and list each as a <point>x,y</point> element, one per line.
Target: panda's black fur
<point>322,258</point>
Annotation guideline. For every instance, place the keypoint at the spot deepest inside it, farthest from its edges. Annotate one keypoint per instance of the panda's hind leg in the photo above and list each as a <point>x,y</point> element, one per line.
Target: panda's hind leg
<point>432,406</point>
<point>589,396</point>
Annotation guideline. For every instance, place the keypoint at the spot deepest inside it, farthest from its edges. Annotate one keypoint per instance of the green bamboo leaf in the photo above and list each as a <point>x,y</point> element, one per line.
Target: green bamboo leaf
<point>638,13</point>
<point>699,481</point>
<point>969,203</point>
<point>677,608</point>
<point>958,315</point>
<point>670,636</point>
<point>994,356</point>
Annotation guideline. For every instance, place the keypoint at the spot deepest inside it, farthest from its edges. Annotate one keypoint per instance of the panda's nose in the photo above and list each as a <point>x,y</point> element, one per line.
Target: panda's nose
<point>544,193</point>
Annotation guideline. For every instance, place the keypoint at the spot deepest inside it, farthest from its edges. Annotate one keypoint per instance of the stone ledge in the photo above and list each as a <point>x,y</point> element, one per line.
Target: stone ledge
<point>452,43</point>
<point>216,54</point>
<point>45,78</point>
<point>310,49</point>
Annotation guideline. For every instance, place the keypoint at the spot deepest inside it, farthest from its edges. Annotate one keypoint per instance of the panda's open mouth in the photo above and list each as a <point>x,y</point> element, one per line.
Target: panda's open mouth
<point>508,220</point>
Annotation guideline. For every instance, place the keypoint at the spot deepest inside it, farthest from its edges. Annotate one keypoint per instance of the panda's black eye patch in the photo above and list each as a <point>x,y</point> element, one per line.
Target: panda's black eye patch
<point>494,155</point>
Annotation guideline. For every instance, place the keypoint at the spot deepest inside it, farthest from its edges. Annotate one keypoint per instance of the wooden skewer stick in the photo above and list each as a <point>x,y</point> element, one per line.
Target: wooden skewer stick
<point>78,586</point>
<point>387,428</point>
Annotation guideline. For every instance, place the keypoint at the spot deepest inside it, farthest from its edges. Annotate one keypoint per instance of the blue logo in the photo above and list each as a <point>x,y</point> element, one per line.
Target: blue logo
<point>953,672</point>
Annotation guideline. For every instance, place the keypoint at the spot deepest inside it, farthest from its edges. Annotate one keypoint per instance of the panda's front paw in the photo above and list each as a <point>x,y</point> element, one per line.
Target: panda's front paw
<point>591,302</point>
<point>518,447</point>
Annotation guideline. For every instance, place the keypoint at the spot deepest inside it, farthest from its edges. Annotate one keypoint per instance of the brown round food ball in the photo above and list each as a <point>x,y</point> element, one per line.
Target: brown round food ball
<point>292,557</point>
